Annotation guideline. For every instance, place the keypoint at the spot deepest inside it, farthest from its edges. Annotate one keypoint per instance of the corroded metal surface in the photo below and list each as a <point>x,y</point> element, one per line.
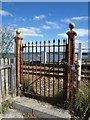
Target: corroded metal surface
<point>42,74</point>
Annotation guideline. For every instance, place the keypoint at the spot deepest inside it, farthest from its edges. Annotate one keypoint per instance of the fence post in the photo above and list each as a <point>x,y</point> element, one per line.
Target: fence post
<point>18,41</point>
<point>71,59</point>
<point>13,80</point>
<point>0,91</point>
<point>6,77</point>
<point>2,80</point>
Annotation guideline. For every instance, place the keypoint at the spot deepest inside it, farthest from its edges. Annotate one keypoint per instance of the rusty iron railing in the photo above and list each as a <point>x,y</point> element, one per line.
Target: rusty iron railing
<point>42,68</point>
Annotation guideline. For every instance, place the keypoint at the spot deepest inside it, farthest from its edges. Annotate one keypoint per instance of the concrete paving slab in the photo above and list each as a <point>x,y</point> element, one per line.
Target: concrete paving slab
<point>38,107</point>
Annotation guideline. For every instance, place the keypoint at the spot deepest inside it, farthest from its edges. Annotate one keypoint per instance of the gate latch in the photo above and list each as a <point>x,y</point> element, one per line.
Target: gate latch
<point>72,67</point>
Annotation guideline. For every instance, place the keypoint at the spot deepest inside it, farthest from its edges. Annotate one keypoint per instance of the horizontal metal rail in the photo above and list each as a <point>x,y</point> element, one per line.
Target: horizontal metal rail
<point>24,46</point>
<point>43,74</point>
<point>42,70</point>
<point>46,65</point>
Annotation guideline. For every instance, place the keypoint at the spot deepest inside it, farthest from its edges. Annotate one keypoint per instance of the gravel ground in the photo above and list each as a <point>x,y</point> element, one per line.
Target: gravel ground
<point>16,115</point>
<point>12,113</point>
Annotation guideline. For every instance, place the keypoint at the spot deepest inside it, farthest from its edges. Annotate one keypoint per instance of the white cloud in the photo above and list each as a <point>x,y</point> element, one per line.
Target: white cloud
<point>5,13</point>
<point>62,35</point>
<point>84,43</point>
<point>80,18</point>
<point>81,32</point>
<point>46,27</point>
<point>68,20</point>
<point>12,25</point>
<point>51,25</point>
<point>19,19</point>
<point>40,17</point>
<point>31,31</point>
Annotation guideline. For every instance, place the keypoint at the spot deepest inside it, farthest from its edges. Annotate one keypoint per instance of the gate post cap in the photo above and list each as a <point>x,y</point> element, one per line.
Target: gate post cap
<point>71,26</point>
<point>18,35</point>
<point>18,32</point>
<point>71,32</point>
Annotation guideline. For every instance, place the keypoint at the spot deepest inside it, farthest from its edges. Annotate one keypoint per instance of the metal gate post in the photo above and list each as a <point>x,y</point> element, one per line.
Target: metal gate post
<point>65,75</point>
<point>65,71</point>
<point>18,41</point>
<point>71,54</point>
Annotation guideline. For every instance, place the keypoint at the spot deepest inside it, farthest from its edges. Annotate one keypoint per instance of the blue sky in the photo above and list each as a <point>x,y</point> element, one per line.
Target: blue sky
<point>39,21</point>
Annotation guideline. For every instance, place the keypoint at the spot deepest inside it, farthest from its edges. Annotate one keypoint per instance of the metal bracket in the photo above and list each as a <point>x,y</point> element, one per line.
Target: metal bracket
<point>72,67</point>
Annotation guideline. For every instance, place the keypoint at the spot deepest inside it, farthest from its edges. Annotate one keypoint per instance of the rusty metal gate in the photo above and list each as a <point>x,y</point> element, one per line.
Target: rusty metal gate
<point>42,69</point>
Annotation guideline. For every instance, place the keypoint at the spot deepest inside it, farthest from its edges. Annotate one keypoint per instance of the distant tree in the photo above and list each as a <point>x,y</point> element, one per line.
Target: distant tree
<point>6,40</point>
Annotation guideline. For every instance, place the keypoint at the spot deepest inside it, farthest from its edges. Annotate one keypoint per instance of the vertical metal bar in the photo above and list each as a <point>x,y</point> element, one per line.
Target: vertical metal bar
<point>49,70</point>
<point>64,48</point>
<point>32,68</point>
<point>22,67</point>
<point>64,70</point>
<point>25,70</point>
<point>58,62</point>
<point>65,75</point>
<point>53,64</point>
<point>21,64</point>
<point>36,67</point>
<point>28,66</point>
<point>40,67</point>
<point>44,67</point>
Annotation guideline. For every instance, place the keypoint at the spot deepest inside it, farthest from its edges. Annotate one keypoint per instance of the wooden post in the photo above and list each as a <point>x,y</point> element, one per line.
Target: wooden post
<point>6,78</point>
<point>71,54</point>
<point>13,80</point>
<point>2,80</point>
<point>79,64</point>
<point>18,41</point>
<point>0,90</point>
